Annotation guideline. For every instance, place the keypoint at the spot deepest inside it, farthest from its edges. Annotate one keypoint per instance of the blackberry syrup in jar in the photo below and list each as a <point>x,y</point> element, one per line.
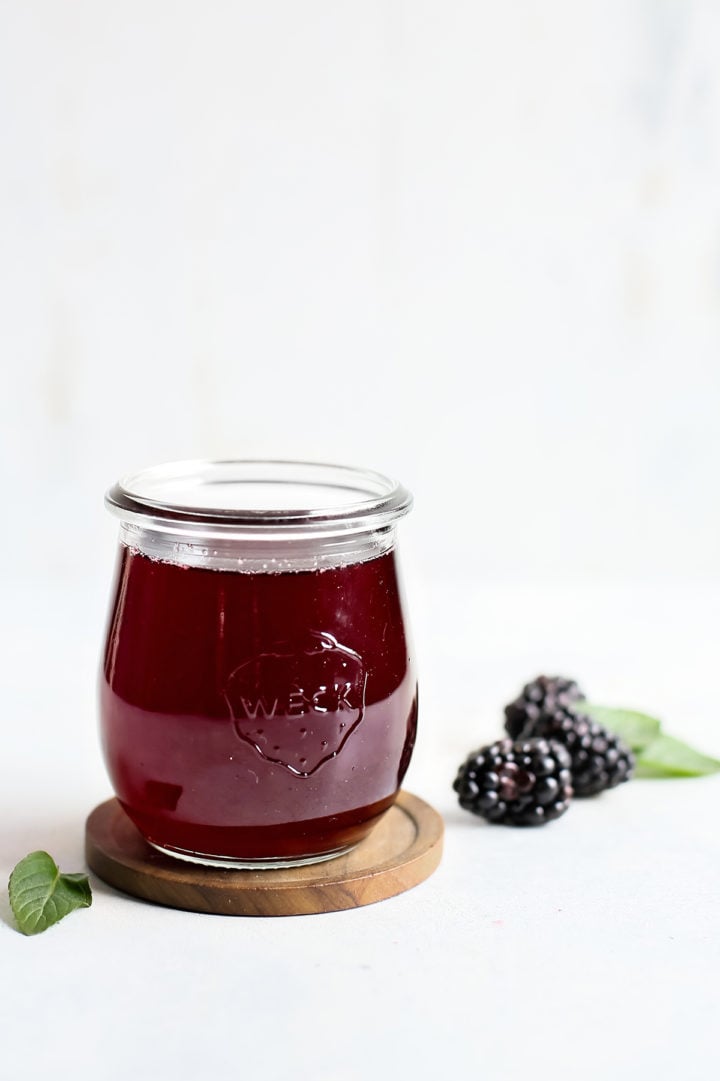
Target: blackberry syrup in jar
<point>258,698</point>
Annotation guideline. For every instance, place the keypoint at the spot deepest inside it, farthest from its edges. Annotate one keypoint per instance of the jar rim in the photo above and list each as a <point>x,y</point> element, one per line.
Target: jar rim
<point>230,495</point>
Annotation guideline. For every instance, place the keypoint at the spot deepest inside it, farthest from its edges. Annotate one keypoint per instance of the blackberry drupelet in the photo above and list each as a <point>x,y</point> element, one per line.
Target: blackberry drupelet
<point>599,759</point>
<point>543,695</point>
<point>516,784</point>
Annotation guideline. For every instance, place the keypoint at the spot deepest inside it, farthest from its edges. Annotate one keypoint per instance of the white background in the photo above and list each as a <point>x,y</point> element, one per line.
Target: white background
<point>473,245</point>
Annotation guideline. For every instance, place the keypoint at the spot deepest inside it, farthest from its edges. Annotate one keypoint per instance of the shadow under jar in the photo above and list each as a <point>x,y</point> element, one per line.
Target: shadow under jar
<point>258,698</point>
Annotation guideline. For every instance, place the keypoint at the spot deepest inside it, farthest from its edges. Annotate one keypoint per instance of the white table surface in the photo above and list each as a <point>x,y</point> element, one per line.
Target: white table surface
<point>586,949</point>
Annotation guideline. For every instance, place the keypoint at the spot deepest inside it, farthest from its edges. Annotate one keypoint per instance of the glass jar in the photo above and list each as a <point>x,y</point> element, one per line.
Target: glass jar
<point>258,697</point>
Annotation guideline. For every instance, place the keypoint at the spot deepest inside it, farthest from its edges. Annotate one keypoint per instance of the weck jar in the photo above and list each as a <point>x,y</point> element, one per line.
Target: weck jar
<point>258,696</point>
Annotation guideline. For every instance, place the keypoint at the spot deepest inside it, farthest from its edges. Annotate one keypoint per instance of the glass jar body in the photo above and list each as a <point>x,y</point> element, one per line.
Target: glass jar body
<point>257,717</point>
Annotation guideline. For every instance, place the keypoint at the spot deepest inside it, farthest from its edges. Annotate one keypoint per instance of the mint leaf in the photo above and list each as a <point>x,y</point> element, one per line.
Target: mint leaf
<point>658,755</point>
<point>637,729</point>
<point>668,757</point>
<point>40,896</point>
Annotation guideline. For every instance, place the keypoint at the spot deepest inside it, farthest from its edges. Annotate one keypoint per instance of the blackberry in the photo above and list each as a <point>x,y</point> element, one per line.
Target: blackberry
<point>516,784</point>
<point>599,759</point>
<point>543,695</point>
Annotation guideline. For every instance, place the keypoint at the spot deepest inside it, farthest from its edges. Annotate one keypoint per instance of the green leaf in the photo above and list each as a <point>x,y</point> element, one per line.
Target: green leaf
<point>637,729</point>
<point>668,757</point>
<point>40,896</point>
<point>658,755</point>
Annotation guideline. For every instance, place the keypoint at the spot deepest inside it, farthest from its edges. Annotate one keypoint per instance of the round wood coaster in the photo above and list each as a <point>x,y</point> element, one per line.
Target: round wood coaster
<point>402,850</point>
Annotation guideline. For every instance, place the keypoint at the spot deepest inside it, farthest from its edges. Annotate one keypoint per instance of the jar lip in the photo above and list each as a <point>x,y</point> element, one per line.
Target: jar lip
<point>228,495</point>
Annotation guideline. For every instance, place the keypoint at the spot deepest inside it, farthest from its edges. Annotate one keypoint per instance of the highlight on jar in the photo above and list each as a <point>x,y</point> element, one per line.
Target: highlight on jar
<point>258,692</point>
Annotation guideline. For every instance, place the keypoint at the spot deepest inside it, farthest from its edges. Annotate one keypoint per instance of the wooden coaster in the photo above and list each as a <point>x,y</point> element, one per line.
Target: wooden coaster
<point>402,850</point>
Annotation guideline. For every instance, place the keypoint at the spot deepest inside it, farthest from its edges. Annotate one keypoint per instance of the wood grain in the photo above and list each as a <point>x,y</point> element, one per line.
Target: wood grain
<point>402,850</point>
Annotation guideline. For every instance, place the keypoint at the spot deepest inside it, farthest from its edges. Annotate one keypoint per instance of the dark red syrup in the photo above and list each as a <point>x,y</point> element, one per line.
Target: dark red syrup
<point>257,716</point>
